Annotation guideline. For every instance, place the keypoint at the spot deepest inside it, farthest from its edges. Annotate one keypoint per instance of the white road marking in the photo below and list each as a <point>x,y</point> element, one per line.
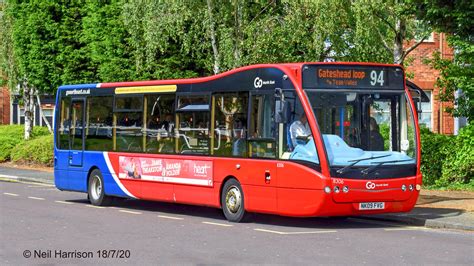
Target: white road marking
<point>170,217</point>
<point>10,194</point>
<point>37,184</point>
<point>35,198</point>
<point>93,206</point>
<point>131,212</point>
<point>218,224</point>
<point>295,233</point>
<point>404,228</point>
<point>10,176</point>
<point>63,202</point>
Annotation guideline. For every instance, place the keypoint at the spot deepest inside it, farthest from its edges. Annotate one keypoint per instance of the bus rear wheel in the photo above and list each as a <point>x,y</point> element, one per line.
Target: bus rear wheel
<point>232,201</point>
<point>95,189</point>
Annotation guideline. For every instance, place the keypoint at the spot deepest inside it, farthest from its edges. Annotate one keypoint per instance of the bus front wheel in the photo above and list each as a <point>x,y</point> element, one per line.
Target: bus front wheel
<point>232,201</point>
<point>95,191</point>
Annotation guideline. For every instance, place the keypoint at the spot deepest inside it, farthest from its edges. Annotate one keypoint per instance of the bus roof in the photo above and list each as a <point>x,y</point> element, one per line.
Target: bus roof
<point>281,66</point>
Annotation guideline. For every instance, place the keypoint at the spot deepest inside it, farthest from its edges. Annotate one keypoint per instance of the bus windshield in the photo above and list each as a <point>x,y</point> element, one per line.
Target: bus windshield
<point>365,128</point>
<point>365,119</point>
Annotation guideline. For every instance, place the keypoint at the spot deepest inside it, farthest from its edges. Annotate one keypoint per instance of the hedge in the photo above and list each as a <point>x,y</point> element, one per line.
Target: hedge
<point>11,135</point>
<point>458,167</point>
<point>434,149</point>
<point>37,151</point>
<point>6,146</point>
<point>18,131</point>
<point>447,160</point>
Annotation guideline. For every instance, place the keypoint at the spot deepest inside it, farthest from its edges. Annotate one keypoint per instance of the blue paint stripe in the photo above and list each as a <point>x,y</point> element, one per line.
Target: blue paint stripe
<point>78,86</point>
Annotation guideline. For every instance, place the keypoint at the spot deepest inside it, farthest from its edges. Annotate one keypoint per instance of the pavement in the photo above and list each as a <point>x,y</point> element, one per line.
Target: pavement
<point>434,208</point>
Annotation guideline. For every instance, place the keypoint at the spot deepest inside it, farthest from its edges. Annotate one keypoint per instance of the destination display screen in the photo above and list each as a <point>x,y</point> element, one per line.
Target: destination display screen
<point>352,76</point>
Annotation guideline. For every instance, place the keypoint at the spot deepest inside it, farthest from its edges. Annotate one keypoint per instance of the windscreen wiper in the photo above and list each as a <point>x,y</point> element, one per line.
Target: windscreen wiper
<point>343,170</point>
<point>366,171</point>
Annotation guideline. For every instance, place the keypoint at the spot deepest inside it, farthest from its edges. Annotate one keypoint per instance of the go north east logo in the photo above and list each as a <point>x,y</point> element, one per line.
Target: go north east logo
<point>372,185</point>
<point>258,82</point>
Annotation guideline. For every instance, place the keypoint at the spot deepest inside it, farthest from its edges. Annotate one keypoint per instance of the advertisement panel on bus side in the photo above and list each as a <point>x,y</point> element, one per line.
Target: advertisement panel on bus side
<point>189,172</point>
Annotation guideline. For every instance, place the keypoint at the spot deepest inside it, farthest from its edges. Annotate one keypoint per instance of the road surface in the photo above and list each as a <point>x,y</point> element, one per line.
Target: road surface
<point>42,225</point>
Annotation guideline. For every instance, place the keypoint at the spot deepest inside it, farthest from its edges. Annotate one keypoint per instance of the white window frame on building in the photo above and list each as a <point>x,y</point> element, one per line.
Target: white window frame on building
<point>427,109</point>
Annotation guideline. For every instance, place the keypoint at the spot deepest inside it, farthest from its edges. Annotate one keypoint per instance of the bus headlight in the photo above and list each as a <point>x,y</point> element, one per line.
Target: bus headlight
<point>327,190</point>
<point>418,187</point>
<point>345,189</point>
<point>410,187</point>
<point>404,187</point>
<point>336,189</point>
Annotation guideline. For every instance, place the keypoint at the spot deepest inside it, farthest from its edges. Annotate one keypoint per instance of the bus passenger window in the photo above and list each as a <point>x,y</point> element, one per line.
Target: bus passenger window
<point>262,127</point>
<point>99,123</point>
<point>129,122</point>
<point>230,124</point>
<point>160,124</point>
<point>193,125</point>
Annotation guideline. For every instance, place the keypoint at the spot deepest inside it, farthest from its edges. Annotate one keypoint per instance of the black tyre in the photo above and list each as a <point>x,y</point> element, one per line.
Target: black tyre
<point>95,189</point>
<point>232,201</point>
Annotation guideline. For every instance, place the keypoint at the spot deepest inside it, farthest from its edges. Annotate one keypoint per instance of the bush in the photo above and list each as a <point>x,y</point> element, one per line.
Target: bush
<point>38,151</point>
<point>11,135</point>
<point>448,161</point>
<point>6,146</point>
<point>434,149</point>
<point>458,166</point>
<point>18,131</point>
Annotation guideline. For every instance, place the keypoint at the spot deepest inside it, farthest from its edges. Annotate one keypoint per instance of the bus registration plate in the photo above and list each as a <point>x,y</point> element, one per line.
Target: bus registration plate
<point>371,205</point>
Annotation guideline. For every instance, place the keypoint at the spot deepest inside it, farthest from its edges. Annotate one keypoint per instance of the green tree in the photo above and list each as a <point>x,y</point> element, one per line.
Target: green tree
<point>43,49</point>
<point>392,23</point>
<point>107,42</point>
<point>167,38</point>
<point>455,18</point>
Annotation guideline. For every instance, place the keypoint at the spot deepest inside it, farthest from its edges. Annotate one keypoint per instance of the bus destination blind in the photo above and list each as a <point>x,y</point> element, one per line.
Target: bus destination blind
<point>355,77</point>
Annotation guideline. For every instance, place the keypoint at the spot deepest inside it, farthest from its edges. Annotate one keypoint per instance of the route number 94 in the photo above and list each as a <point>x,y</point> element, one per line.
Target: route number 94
<point>376,78</point>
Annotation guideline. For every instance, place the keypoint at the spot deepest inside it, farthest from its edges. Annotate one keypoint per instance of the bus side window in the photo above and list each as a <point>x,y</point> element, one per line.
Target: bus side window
<point>192,136</point>
<point>261,141</point>
<point>99,119</point>
<point>160,123</point>
<point>298,124</point>
<point>230,124</point>
<point>64,124</point>
<point>129,120</point>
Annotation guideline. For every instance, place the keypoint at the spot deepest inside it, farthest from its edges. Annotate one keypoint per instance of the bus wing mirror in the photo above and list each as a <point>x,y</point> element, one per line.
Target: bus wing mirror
<point>282,111</point>
<point>282,107</point>
<point>418,95</point>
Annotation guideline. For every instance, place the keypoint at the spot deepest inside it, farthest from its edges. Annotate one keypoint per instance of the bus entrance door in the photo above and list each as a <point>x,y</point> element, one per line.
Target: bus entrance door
<point>262,147</point>
<point>76,140</point>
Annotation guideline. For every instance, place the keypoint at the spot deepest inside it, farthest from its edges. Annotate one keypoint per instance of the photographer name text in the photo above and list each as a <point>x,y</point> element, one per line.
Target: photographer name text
<point>76,254</point>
